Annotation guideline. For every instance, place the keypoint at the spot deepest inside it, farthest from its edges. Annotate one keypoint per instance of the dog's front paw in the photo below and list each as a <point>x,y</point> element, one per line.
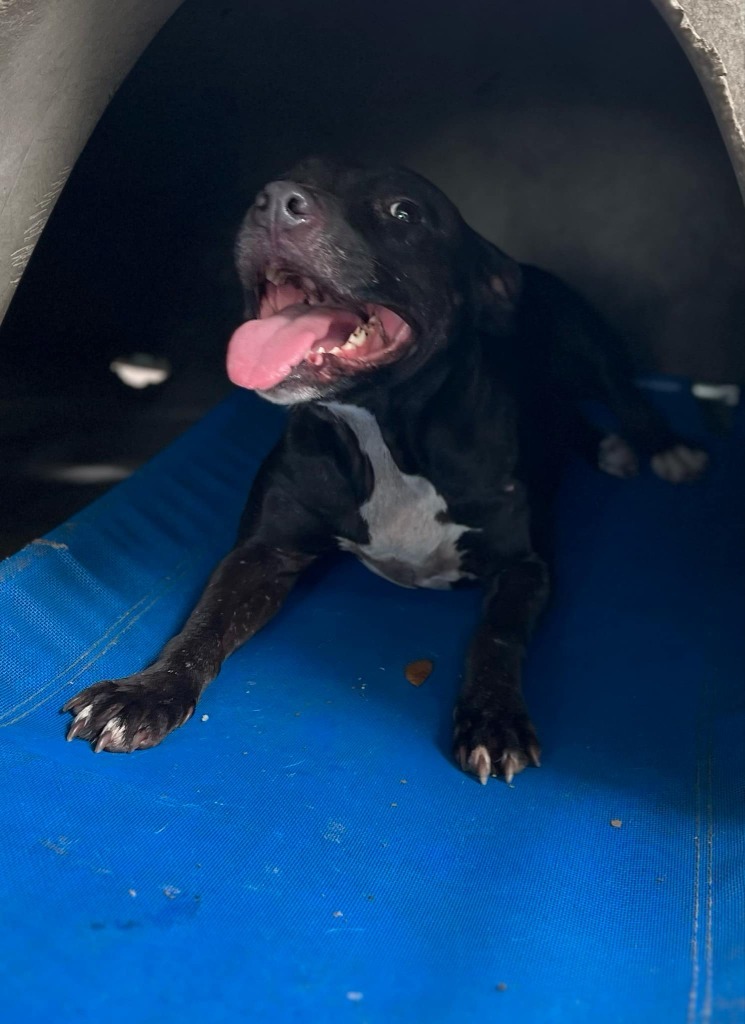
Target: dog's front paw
<point>681,464</point>
<point>122,715</point>
<point>496,743</point>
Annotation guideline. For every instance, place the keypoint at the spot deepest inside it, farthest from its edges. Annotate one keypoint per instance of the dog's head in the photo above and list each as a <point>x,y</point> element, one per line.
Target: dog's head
<point>359,277</point>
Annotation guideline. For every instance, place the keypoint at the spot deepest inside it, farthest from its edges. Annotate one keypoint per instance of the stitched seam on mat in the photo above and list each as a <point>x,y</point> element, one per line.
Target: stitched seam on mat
<point>118,628</point>
<point>693,990</point>
<point>700,1004</point>
<point>114,640</point>
<point>706,1009</point>
<point>67,668</point>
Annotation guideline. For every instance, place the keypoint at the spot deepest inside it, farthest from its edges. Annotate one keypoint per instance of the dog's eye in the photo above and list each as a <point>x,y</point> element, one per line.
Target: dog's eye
<point>405,210</point>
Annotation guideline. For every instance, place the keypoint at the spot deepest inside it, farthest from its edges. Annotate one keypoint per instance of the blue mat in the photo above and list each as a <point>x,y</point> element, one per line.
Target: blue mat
<point>304,849</point>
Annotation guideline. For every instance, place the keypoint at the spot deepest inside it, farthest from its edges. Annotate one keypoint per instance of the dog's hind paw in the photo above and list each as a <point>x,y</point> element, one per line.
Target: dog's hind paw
<point>494,745</point>
<point>123,715</point>
<point>681,464</point>
<point>617,457</point>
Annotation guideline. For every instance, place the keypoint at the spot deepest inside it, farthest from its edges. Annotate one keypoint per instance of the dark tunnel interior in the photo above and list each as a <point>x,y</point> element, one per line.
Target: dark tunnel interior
<point>575,136</point>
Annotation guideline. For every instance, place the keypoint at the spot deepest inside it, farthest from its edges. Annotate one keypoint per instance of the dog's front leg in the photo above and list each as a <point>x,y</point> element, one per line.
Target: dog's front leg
<point>245,591</point>
<point>493,732</point>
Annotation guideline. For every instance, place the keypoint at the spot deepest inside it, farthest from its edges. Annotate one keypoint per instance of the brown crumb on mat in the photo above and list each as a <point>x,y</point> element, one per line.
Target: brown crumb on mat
<point>501,987</point>
<point>417,672</point>
<point>616,822</point>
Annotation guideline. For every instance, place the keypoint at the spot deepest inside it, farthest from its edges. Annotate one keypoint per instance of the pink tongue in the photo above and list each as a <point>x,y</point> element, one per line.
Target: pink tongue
<point>261,353</point>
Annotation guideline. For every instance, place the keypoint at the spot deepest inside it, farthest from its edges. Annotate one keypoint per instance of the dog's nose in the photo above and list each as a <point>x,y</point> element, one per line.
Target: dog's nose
<point>284,204</point>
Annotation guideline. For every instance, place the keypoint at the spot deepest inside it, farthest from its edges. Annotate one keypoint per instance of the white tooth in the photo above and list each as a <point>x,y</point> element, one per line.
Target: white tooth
<point>335,350</point>
<point>273,275</point>
<point>321,349</point>
<point>357,337</point>
<point>348,346</point>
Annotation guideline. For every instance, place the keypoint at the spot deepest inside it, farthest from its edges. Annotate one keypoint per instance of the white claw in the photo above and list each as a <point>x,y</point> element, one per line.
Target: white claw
<point>480,764</point>
<point>512,763</point>
<point>112,736</point>
<point>83,715</point>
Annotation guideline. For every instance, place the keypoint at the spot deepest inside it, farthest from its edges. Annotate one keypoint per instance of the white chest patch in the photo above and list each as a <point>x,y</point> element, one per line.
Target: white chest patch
<point>412,542</point>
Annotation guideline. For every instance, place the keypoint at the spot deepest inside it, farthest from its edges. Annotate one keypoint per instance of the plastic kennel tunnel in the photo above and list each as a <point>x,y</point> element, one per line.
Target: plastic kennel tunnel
<point>305,849</point>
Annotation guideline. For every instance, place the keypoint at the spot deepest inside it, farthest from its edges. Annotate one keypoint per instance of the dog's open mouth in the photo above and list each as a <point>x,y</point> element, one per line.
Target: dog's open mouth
<point>300,325</point>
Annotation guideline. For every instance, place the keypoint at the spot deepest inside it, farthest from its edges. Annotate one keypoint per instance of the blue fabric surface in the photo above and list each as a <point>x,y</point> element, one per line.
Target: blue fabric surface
<point>304,849</point>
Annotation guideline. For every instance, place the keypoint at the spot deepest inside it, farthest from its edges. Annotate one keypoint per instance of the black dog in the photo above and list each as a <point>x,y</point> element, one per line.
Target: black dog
<point>414,353</point>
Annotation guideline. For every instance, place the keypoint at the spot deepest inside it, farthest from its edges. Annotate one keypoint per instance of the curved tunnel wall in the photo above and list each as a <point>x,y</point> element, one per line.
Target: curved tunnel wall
<point>60,64</point>
<point>576,136</point>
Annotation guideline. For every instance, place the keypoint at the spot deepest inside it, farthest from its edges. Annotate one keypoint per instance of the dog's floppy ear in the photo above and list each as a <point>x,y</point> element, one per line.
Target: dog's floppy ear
<point>496,282</point>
